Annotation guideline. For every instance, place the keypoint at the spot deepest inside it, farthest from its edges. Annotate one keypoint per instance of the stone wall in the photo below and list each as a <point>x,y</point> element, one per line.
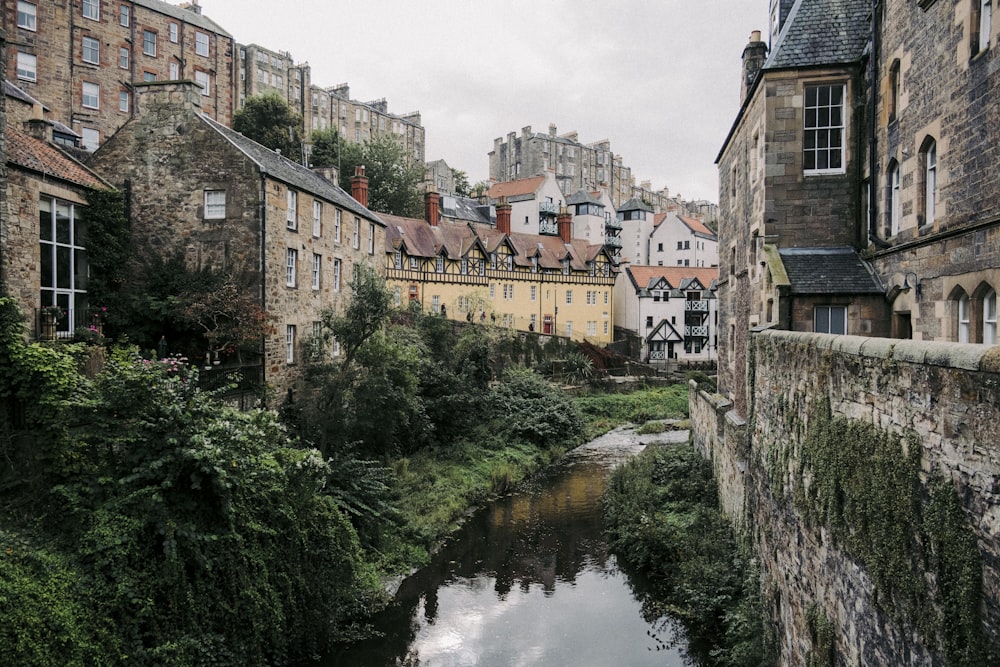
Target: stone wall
<point>947,395</point>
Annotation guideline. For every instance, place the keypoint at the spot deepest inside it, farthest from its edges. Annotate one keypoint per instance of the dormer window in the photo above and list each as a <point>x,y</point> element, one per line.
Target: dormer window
<point>439,264</point>
<point>565,266</point>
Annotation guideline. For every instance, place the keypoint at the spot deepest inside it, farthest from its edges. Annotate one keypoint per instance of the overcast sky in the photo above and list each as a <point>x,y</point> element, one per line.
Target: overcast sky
<point>659,78</point>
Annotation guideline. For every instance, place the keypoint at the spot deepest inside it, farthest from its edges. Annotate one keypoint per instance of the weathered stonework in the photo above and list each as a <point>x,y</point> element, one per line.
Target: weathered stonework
<point>946,394</point>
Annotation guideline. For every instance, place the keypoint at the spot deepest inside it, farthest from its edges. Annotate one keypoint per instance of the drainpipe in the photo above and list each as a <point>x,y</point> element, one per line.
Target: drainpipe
<point>873,71</point>
<point>263,269</point>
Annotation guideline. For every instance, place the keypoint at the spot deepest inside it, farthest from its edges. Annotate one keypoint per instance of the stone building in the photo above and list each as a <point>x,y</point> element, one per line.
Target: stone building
<point>83,59</point>
<point>469,270</point>
<point>290,237</point>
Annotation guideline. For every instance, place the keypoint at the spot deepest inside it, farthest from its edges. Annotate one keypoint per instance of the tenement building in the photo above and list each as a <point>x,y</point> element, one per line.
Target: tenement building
<point>83,59</point>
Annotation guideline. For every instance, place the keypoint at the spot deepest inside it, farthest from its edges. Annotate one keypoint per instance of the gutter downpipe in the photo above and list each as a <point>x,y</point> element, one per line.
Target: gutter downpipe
<point>873,83</point>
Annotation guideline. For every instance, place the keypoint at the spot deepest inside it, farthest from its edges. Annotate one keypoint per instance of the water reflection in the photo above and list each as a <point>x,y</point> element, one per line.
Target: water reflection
<point>527,581</point>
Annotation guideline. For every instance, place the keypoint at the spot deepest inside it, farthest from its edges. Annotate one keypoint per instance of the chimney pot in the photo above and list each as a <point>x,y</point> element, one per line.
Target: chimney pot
<point>359,186</point>
<point>564,224</point>
<point>503,216</point>
<point>432,208</point>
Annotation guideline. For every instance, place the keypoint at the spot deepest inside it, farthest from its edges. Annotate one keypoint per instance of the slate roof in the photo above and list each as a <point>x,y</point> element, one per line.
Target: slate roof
<point>821,32</point>
<point>467,208</point>
<point>291,172</point>
<point>634,204</point>
<point>10,90</point>
<point>828,271</point>
<point>33,154</point>
<point>679,277</point>
<point>581,197</point>
<point>182,14</point>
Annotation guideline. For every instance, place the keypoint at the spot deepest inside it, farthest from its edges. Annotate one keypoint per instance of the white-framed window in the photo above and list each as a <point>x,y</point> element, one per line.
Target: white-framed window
<point>317,270</point>
<point>569,329</point>
<point>435,303</point>
<point>371,238</point>
<point>439,264</point>
<point>174,31</point>
<point>397,259</point>
<point>175,72</point>
<point>823,139</point>
<point>336,226</point>
<point>27,66</point>
<point>91,95</point>
<point>591,327</point>
<point>963,319</point>
<point>605,328</point>
<point>123,101</point>
<point>830,319</point>
<point>356,238</point>
<point>414,263</point>
<point>290,343</point>
<point>291,262</point>
<point>533,323</point>
<point>894,206</point>
<point>91,51</point>
<point>569,296</point>
<point>292,208</point>
<point>63,259</point>
<point>124,16</point>
<point>982,20</point>
<point>336,347</point>
<point>930,181</point>
<point>204,79</point>
<point>92,10</point>
<point>534,292</point>
<point>149,76</point>
<point>27,15</point>
<point>336,274</point>
<point>201,43</point>
<point>317,219</point>
<point>565,266</point>
<point>123,57</point>
<point>990,318</point>
<point>215,204</point>
<point>149,43</point>
<point>91,138</point>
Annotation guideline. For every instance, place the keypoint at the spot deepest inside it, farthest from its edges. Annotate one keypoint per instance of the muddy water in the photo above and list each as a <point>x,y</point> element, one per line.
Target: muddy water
<point>527,581</point>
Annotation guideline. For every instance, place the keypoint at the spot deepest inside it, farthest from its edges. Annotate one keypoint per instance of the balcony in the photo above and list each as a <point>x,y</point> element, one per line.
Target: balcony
<point>612,223</point>
<point>696,332</point>
<point>613,241</point>
<point>696,306</point>
<point>548,208</point>
<point>547,226</point>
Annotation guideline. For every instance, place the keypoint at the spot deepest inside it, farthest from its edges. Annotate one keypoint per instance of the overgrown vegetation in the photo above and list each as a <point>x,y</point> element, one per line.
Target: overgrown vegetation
<point>662,518</point>
<point>863,485</point>
<point>605,411</point>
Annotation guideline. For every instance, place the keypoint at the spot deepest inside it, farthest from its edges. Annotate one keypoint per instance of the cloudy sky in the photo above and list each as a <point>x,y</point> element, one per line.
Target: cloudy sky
<point>658,78</point>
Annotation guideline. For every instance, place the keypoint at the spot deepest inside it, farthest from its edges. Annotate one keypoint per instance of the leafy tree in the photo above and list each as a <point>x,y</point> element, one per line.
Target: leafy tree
<point>481,187</point>
<point>229,318</point>
<point>462,187</point>
<point>326,147</point>
<point>268,120</point>
<point>393,178</point>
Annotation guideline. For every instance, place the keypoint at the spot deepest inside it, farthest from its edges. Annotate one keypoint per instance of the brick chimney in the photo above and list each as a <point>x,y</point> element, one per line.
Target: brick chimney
<point>503,216</point>
<point>432,208</point>
<point>754,56</point>
<point>564,223</point>
<point>359,185</point>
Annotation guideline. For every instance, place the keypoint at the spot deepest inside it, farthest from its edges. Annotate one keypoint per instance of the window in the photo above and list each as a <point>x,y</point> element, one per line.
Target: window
<point>336,274</point>
<point>605,328</point>
<point>290,343</point>
<point>893,205</point>
<point>92,9</point>
<point>215,204</point>
<point>336,226</point>
<point>317,269</point>
<point>173,32</point>
<point>356,238</point>
<point>534,292</point>
<point>148,76</point>
<point>123,57</point>
<point>123,15</point>
<point>149,43</point>
<point>659,247</point>
<point>823,141</point>
<point>291,260</point>
<point>606,297</point>
<point>982,23</point>
<point>317,219</point>
<point>91,95</point>
<point>123,101</point>
<point>830,319</point>
<point>649,321</point>
<point>569,329</point>
<point>27,15</point>
<point>201,44</point>
<point>565,266</point>
<point>435,303</point>
<point>893,99</point>
<point>414,263</point>
<point>990,318</point>
<point>175,71</point>
<point>203,79</point>
<point>371,238</point>
<point>439,264</point>
<point>963,319</point>
<point>929,159</point>
<point>91,138</point>
<point>397,259</point>
<point>292,210</point>
<point>63,258</point>
<point>569,296</point>
<point>27,66</point>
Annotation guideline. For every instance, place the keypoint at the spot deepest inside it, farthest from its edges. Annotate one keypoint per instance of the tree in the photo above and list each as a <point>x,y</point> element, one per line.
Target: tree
<point>393,179</point>
<point>268,120</point>
<point>228,318</point>
<point>326,145</point>
<point>462,187</point>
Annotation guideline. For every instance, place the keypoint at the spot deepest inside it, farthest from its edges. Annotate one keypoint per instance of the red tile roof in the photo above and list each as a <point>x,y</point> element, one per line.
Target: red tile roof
<point>36,155</point>
<point>522,186</point>
<point>675,275</point>
<point>696,226</point>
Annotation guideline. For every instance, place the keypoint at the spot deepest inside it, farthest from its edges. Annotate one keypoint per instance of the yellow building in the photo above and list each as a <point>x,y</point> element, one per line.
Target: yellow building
<point>474,271</point>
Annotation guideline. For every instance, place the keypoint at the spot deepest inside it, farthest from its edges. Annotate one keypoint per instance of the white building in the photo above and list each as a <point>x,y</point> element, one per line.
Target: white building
<point>678,240</point>
<point>535,202</point>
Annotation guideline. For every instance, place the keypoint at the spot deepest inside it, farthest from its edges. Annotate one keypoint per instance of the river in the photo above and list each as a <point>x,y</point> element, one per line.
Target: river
<point>527,581</point>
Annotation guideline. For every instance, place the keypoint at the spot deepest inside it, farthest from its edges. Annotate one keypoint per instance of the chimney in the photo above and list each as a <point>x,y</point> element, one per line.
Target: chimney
<point>564,223</point>
<point>359,185</point>
<point>152,95</point>
<point>38,128</point>
<point>552,129</point>
<point>192,6</point>
<point>329,173</point>
<point>503,216</point>
<point>432,208</point>
<point>754,56</point>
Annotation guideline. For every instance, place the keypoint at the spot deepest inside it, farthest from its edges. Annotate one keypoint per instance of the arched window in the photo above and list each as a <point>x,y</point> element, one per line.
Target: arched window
<point>990,318</point>
<point>893,206</point>
<point>963,318</point>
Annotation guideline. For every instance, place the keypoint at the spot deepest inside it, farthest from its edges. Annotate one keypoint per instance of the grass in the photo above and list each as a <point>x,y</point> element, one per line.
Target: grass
<point>604,412</point>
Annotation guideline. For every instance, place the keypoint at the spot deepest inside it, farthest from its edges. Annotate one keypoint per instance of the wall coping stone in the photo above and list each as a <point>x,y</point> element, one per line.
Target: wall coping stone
<point>733,418</point>
<point>878,348</point>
